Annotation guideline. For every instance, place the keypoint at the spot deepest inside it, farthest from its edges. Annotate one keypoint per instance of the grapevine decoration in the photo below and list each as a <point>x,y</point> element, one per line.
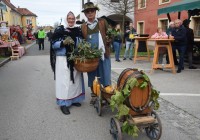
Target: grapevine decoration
<point>117,102</point>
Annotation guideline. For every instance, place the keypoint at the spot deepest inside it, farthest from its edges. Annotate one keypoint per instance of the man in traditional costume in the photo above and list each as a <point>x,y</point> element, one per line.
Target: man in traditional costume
<point>70,88</point>
<point>94,31</point>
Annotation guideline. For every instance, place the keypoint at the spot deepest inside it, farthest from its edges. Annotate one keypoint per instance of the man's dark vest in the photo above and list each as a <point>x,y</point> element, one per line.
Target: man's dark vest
<point>102,28</point>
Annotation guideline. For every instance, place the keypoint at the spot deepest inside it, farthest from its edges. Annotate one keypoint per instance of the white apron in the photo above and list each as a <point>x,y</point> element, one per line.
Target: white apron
<point>65,88</point>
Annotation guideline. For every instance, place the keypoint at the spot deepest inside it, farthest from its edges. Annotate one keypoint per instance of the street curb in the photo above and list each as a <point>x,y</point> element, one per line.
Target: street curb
<point>8,59</point>
<point>4,61</point>
<point>28,46</point>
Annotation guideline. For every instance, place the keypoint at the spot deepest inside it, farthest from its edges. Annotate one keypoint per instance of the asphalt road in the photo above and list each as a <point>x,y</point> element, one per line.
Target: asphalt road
<point>28,109</point>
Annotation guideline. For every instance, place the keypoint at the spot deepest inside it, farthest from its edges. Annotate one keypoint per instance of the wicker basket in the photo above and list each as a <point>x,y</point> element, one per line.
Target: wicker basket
<point>88,65</point>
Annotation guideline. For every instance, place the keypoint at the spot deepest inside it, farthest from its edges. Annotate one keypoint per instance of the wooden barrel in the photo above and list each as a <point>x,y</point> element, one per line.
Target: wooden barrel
<point>139,98</point>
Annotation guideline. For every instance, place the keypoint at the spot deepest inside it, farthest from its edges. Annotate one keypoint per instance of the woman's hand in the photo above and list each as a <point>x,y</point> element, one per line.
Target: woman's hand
<point>68,41</point>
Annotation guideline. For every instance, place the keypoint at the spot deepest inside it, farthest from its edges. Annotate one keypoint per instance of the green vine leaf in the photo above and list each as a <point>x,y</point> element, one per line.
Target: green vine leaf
<point>122,110</point>
<point>133,82</point>
<point>146,77</point>
<point>118,102</point>
<point>154,98</point>
<point>130,129</point>
<point>126,91</point>
<point>143,85</point>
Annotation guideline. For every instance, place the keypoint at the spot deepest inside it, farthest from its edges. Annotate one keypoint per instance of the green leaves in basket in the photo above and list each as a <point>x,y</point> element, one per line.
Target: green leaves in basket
<point>85,51</point>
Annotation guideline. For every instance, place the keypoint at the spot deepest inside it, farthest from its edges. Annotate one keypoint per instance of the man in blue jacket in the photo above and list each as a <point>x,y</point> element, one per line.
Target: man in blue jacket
<point>180,43</point>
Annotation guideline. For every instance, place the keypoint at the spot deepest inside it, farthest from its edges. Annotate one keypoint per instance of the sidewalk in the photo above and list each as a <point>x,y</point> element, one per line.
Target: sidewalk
<point>4,61</point>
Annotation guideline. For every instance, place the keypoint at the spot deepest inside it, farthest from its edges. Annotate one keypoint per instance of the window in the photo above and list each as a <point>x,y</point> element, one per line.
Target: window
<point>197,27</point>
<point>164,24</point>
<point>163,1</point>
<point>114,0</point>
<point>141,4</point>
<point>140,28</point>
<point>28,21</point>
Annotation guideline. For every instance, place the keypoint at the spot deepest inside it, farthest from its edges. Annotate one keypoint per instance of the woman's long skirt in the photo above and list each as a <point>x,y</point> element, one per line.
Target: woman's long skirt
<point>68,92</point>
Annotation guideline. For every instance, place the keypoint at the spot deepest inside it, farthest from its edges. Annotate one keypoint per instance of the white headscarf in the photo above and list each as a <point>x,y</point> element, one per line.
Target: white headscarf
<point>69,13</point>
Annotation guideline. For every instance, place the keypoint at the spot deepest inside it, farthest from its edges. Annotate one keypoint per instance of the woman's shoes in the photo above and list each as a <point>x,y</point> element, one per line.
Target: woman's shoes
<point>76,104</point>
<point>65,110</point>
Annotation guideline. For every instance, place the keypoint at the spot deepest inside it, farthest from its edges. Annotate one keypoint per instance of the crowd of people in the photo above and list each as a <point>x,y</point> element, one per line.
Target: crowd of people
<point>183,42</point>
<point>70,89</point>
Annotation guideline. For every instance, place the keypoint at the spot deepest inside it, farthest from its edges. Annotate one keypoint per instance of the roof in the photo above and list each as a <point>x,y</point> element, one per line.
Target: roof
<point>22,11</point>
<point>10,5</point>
<point>180,6</point>
<point>26,12</point>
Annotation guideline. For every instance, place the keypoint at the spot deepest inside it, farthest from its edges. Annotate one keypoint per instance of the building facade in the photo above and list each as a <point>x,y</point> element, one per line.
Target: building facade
<point>16,16</point>
<point>147,20</point>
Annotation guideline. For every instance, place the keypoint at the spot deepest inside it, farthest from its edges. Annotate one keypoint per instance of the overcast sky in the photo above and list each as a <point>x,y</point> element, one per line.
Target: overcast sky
<point>49,11</point>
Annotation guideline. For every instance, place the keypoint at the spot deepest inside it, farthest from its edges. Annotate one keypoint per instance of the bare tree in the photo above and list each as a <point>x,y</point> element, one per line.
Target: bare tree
<point>121,7</point>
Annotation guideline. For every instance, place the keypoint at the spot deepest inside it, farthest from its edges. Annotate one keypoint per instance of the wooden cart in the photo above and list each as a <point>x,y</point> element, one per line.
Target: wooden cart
<point>141,111</point>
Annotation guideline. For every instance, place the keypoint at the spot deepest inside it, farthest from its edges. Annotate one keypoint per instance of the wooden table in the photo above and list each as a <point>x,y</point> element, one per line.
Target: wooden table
<point>159,43</point>
<point>137,40</point>
<point>12,45</point>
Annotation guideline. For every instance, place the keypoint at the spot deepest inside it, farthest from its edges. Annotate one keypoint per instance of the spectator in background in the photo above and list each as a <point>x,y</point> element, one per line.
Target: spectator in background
<point>180,43</point>
<point>159,35</point>
<point>19,37</point>
<point>41,37</point>
<point>129,37</point>
<point>171,27</point>
<point>36,36</point>
<point>190,42</point>
<point>49,35</point>
<point>169,32</point>
<point>117,42</point>
<point>29,35</point>
<point>14,34</point>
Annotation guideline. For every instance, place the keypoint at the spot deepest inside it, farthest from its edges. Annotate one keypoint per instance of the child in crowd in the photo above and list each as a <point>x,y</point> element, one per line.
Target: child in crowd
<point>160,35</point>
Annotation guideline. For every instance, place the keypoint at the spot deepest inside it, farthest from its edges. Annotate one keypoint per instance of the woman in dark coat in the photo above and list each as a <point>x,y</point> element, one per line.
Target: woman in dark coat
<point>70,88</point>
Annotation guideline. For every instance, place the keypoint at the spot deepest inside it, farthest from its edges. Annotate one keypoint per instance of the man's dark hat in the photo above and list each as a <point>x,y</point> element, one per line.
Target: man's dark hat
<point>89,5</point>
<point>186,22</point>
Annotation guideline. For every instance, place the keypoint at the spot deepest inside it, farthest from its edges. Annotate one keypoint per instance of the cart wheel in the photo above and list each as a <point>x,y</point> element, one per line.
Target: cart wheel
<point>115,129</point>
<point>98,105</point>
<point>154,131</point>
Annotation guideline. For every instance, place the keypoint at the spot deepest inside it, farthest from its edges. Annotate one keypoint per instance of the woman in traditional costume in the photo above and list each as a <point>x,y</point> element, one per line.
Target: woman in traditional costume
<point>70,88</point>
